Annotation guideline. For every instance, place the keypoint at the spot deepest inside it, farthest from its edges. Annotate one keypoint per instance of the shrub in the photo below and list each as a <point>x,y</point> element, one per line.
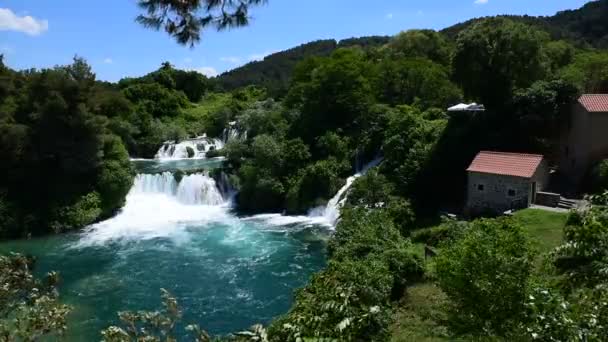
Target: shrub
<point>116,175</point>
<point>29,309</point>
<point>370,265</point>
<point>84,211</point>
<point>485,274</point>
<point>448,231</point>
<point>583,257</point>
<point>598,181</point>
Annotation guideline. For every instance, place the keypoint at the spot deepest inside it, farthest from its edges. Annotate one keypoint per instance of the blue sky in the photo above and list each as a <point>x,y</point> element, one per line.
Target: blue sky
<point>43,33</point>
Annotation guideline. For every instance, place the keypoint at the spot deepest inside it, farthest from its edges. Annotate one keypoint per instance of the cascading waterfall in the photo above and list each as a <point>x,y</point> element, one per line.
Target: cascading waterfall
<point>322,216</point>
<point>199,147</point>
<point>195,189</point>
<point>233,132</point>
<point>158,206</point>
<point>331,212</point>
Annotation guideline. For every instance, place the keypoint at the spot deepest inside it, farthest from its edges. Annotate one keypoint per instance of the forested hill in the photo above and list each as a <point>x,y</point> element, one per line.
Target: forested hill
<point>274,72</point>
<point>588,26</point>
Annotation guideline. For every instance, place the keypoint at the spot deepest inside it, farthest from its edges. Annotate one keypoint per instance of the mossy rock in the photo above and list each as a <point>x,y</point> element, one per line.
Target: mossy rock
<point>190,151</point>
<point>178,175</point>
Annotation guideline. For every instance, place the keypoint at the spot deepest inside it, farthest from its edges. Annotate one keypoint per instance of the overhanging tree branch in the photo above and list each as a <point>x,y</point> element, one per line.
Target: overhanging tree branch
<point>184,20</point>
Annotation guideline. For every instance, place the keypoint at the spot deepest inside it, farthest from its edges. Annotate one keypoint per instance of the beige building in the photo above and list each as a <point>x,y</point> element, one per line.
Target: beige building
<point>584,137</point>
<point>499,181</point>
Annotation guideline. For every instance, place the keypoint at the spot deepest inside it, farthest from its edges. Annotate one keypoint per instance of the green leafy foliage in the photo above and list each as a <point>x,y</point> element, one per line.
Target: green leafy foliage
<point>59,151</point>
<point>184,20</point>
<point>494,56</point>
<point>370,265</point>
<point>589,72</point>
<point>276,71</point>
<point>415,80</point>
<point>338,92</point>
<point>486,274</point>
<point>599,177</point>
<point>424,44</point>
<point>583,257</point>
<point>29,307</point>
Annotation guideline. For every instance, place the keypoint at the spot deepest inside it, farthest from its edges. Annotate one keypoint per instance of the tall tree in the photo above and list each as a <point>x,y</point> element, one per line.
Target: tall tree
<point>185,19</point>
<point>496,56</point>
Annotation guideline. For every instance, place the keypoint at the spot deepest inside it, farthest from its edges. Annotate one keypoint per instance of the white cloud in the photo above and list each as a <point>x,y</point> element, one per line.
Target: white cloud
<point>9,21</point>
<point>108,61</point>
<point>259,56</point>
<point>481,2</point>
<point>389,16</point>
<point>207,71</point>
<point>233,60</point>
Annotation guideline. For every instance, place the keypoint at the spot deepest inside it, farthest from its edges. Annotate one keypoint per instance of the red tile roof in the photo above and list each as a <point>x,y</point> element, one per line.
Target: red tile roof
<point>507,164</point>
<point>594,102</point>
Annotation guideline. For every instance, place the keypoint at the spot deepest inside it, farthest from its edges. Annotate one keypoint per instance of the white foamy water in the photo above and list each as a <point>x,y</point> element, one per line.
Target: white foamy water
<point>196,189</point>
<point>331,212</point>
<point>284,220</point>
<point>159,206</point>
<point>200,146</point>
<point>323,216</point>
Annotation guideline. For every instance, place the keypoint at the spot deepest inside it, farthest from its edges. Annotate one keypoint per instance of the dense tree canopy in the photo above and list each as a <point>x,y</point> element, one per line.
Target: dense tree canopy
<point>495,56</point>
<point>62,167</point>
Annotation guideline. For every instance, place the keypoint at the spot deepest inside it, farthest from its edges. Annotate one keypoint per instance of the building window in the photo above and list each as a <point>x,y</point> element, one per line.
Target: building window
<point>480,187</point>
<point>511,193</point>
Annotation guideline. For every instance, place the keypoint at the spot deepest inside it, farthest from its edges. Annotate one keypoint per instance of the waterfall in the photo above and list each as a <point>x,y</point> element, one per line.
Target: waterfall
<point>232,132</point>
<point>195,189</point>
<point>199,146</point>
<point>331,212</point>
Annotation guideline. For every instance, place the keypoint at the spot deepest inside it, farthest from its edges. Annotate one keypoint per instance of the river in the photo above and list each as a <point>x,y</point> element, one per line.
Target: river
<point>227,272</point>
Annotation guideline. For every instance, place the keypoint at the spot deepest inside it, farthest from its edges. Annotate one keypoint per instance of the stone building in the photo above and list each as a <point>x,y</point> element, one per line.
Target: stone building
<point>584,137</point>
<point>499,181</point>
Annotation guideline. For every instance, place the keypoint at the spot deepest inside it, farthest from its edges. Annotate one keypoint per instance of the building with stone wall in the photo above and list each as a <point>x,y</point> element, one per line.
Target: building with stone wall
<point>584,138</point>
<point>499,181</point>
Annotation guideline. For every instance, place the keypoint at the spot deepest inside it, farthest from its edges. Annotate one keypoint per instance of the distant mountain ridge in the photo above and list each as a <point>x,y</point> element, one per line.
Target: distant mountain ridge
<point>587,26</point>
<point>274,72</point>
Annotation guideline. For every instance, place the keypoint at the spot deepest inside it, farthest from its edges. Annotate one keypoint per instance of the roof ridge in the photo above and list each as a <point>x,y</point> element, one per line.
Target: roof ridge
<point>512,153</point>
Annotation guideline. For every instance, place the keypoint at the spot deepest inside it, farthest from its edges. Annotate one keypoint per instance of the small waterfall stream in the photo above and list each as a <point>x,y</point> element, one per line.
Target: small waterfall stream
<point>331,212</point>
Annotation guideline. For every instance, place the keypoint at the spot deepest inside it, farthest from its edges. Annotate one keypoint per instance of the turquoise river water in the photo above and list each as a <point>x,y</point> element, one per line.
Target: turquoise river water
<point>227,272</point>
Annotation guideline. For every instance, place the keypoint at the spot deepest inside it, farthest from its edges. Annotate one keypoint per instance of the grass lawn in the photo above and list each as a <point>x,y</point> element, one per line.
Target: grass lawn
<point>420,315</point>
<point>545,228</point>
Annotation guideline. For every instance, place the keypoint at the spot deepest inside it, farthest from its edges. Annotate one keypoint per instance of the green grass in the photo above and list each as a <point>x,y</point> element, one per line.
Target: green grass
<point>420,314</point>
<point>545,228</point>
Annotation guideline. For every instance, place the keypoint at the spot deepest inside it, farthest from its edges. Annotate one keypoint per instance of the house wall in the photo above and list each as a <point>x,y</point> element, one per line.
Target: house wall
<point>599,137</point>
<point>495,195</point>
<point>541,176</point>
<point>575,144</point>
<point>584,142</point>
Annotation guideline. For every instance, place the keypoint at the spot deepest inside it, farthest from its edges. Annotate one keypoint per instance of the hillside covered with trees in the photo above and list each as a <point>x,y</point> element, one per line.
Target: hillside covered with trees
<point>314,115</point>
<point>584,27</point>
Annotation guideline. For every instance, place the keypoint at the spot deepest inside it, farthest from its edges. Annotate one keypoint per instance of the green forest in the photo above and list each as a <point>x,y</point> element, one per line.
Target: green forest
<point>314,115</point>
